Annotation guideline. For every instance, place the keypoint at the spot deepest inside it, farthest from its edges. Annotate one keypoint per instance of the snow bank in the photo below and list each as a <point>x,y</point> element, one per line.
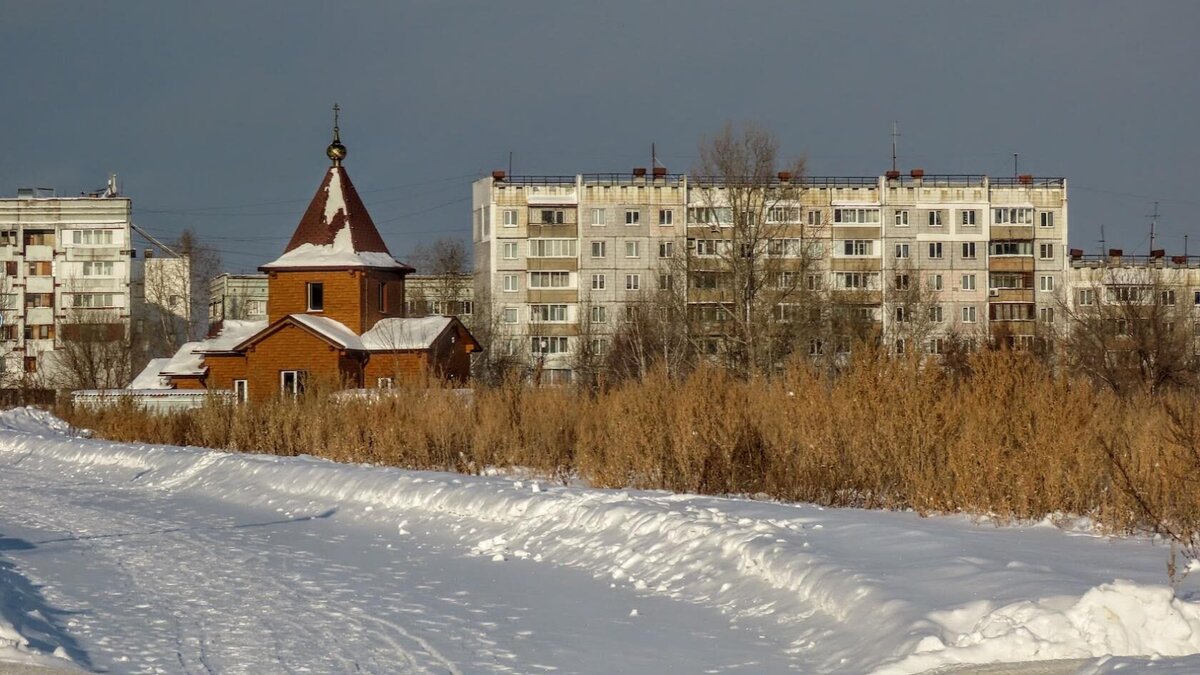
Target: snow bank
<point>862,590</point>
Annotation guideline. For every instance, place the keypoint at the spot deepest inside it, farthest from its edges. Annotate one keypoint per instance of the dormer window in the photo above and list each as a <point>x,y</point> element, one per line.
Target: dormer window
<point>316,296</point>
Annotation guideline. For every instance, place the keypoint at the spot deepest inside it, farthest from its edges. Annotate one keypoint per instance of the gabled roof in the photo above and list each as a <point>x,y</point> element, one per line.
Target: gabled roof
<point>233,332</point>
<point>407,334</point>
<point>150,378</point>
<point>336,231</point>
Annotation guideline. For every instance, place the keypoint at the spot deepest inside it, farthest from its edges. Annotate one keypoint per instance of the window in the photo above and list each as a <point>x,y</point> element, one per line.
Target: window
<point>633,282</point>
<point>382,297</point>
<point>1167,298</point>
<point>510,283</point>
<point>92,237</point>
<point>1046,219</point>
<point>45,269</point>
<point>666,249</point>
<point>39,238</point>
<point>510,250</point>
<point>8,238</point>
<point>549,279</point>
<point>856,247</point>
<point>510,315</point>
<point>548,313</point>
<point>901,314</point>
<point>1046,314</point>
<point>599,346</point>
<point>666,282</point>
<point>856,281</point>
<point>901,250</point>
<point>291,382</point>
<point>599,314</point>
<point>968,314</point>
<point>968,282</point>
<point>969,217</point>
<point>1011,248</point>
<point>935,250</point>
<point>852,216</point>
<point>1086,297</point>
<point>935,313</point>
<point>706,247</point>
<point>548,345</point>
<point>1046,251</point>
<point>316,296</point>
<point>968,250</point>
<point>599,282</point>
<point>900,346</point>
<point>632,216</point>
<point>935,218</point>
<point>598,217</point>
<point>510,217</point>
<point>1012,216</point>
<point>10,268</point>
<point>1196,297</point>
<point>902,218</point>
<point>89,300</point>
<point>553,248</point>
<point>40,332</point>
<point>814,282</point>
<point>31,364</point>
<point>902,282</point>
<point>97,269</point>
<point>385,383</point>
<point>241,390</point>
<point>552,216</point>
<point>814,217</point>
<point>33,300</point>
<point>935,282</point>
<point>704,280</point>
<point>1047,283</point>
<point>598,249</point>
<point>666,217</point>
<point>936,346</point>
<point>783,214</point>
<point>998,280</point>
<point>631,249</point>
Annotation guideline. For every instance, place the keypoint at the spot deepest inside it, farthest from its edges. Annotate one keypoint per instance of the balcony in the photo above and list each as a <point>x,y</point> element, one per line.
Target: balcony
<point>1010,263</point>
<point>39,284</point>
<point>1012,232</point>
<point>1010,295</point>
<point>37,253</point>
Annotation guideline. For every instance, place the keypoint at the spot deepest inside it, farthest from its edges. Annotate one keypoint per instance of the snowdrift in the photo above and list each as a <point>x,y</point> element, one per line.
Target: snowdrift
<point>862,591</point>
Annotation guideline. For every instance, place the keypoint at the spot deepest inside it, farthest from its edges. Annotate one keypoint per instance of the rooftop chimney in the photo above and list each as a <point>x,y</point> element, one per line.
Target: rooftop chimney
<point>498,175</point>
<point>660,171</point>
<point>893,174</point>
<point>785,176</point>
<point>917,173</point>
<point>639,171</point>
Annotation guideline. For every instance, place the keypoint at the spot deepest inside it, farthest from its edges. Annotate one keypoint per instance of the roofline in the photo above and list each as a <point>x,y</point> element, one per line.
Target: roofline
<point>401,267</point>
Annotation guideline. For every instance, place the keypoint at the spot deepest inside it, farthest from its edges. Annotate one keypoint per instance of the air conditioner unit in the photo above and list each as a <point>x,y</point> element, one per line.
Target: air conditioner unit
<point>994,292</point>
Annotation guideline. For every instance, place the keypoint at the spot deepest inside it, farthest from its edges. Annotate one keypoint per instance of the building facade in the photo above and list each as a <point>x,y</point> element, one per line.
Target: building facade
<point>66,264</point>
<point>240,297</point>
<point>988,253</point>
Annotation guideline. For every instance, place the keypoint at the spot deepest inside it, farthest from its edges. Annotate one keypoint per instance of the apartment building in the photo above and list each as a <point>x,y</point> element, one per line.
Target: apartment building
<point>241,297</point>
<point>562,258</point>
<point>66,265</point>
<point>440,295</point>
<point>1128,287</point>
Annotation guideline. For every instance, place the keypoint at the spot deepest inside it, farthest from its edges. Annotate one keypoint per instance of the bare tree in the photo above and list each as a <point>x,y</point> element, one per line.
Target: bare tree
<point>93,350</point>
<point>11,371</point>
<point>1130,328</point>
<point>204,263</point>
<point>755,259</point>
<point>504,352</point>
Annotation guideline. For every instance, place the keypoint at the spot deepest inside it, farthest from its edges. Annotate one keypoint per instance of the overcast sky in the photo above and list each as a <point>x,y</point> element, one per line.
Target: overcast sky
<point>216,115</point>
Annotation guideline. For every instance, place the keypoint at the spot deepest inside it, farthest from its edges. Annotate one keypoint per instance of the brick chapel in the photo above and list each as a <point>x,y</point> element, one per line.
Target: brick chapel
<point>335,312</point>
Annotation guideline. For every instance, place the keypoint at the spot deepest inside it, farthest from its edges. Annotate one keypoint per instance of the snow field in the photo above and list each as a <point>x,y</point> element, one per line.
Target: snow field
<point>854,591</point>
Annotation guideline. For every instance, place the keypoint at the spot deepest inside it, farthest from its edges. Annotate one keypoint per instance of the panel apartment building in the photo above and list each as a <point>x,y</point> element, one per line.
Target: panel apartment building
<point>991,250</point>
<point>62,258</point>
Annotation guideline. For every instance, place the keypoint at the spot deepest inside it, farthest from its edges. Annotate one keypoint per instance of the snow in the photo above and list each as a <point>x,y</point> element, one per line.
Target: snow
<point>336,331</point>
<point>149,377</point>
<point>164,559</point>
<point>233,333</point>
<point>186,361</point>
<point>397,334</point>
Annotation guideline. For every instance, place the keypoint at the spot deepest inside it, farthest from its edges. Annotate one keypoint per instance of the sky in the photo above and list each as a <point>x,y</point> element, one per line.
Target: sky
<point>216,115</point>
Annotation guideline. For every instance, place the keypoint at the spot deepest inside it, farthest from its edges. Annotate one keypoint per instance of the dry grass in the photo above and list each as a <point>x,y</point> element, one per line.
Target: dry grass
<point>1014,439</point>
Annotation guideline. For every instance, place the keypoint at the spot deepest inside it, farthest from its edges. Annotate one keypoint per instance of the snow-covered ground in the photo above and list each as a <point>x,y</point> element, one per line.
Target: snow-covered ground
<point>145,559</point>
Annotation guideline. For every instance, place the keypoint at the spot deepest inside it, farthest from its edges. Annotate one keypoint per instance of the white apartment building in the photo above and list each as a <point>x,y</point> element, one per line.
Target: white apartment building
<point>991,251</point>
<point>65,262</point>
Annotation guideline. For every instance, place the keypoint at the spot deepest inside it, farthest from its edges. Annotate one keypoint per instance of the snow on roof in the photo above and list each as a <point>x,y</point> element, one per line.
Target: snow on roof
<point>396,334</point>
<point>149,378</point>
<point>233,333</point>
<point>336,231</point>
<point>337,332</point>
<point>187,361</point>
<point>340,253</point>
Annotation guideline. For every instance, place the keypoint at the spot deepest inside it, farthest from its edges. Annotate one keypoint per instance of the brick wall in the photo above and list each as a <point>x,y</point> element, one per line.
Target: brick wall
<point>291,348</point>
<point>351,296</point>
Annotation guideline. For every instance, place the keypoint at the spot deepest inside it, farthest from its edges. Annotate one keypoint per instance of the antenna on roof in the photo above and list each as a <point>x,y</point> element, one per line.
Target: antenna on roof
<point>510,163</point>
<point>895,135</point>
<point>1153,222</point>
<point>1103,243</point>
<point>1016,171</point>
